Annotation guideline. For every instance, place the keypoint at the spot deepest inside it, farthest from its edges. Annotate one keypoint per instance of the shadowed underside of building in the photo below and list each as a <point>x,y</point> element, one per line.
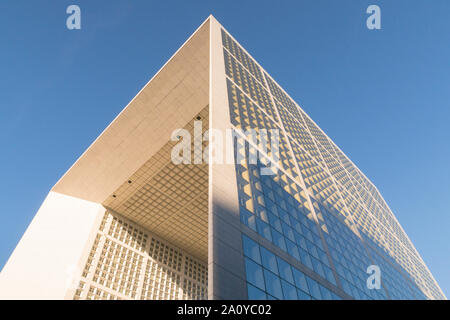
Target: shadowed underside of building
<point>126,222</point>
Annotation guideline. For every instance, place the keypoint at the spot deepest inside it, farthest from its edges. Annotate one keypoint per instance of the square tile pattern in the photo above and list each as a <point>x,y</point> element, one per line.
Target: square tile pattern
<point>127,262</point>
<point>170,200</point>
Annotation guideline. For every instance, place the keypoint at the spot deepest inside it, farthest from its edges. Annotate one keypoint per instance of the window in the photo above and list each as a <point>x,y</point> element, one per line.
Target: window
<point>251,249</point>
<point>300,280</point>
<point>288,232</point>
<point>285,217</point>
<point>285,270</point>
<point>329,275</point>
<point>278,240</point>
<point>302,295</point>
<point>300,240</point>
<point>254,273</point>
<point>305,258</point>
<point>255,294</point>
<point>326,294</point>
<point>271,277</point>
<point>275,222</point>
<point>268,260</point>
<point>318,267</point>
<point>273,284</point>
<point>292,250</point>
<point>312,249</point>
<point>314,288</point>
<point>262,213</point>
<point>248,219</point>
<point>263,229</point>
<point>289,291</point>
<point>323,257</point>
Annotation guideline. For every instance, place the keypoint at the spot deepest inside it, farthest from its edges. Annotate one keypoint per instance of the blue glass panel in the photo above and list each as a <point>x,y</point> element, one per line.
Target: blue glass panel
<point>269,260</point>
<point>248,219</point>
<point>312,249</point>
<point>298,227</point>
<point>335,296</point>
<point>278,240</point>
<point>345,286</point>
<point>273,284</point>
<point>314,288</point>
<point>292,250</point>
<point>262,213</point>
<point>255,294</point>
<point>308,234</point>
<point>289,291</point>
<point>263,229</point>
<point>318,241</point>
<point>302,295</point>
<point>284,216</point>
<point>285,270</point>
<point>355,293</point>
<point>329,275</point>
<point>300,280</point>
<point>288,232</point>
<point>300,240</point>
<point>275,222</point>
<point>318,267</point>
<point>326,294</point>
<point>306,258</point>
<point>254,273</point>
<point>323,257</point>
<point>251,249</point>
<point>272,207</point>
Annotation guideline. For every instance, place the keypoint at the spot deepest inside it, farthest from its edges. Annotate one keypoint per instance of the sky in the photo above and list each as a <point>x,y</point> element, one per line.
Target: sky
<point>383,96</point>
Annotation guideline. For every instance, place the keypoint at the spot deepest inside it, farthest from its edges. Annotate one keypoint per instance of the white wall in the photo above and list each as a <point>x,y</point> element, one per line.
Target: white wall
<point>47,260</point>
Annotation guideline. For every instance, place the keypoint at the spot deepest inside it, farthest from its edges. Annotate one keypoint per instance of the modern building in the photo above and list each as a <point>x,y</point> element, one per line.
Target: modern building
<point>299,222</point>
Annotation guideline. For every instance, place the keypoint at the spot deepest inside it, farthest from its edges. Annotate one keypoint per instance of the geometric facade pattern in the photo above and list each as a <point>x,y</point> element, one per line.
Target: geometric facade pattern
<point>127,262</point>
<point>319,207</point>
<point>171,199</point>
<point>291,220</point>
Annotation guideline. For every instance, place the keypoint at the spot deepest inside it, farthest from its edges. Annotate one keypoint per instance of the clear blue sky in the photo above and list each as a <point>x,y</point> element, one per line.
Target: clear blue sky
<point>382,96</point>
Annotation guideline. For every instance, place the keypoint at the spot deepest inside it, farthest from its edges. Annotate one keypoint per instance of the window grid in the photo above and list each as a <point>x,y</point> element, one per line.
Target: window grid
<point>128,262</point>
<point>270,277</point>
<point>352,194</point>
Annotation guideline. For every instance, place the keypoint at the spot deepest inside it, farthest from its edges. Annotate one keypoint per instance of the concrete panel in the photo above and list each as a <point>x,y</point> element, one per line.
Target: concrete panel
<point>177,93</point>
<point>48,258</point>
<point>225,261</point>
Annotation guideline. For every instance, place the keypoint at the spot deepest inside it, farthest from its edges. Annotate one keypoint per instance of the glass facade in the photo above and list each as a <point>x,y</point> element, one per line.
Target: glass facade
<point>316,207</point>
<point>271,277</point>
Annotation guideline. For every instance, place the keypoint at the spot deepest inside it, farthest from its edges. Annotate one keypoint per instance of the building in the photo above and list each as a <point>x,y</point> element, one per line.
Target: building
<point>127,222</point>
